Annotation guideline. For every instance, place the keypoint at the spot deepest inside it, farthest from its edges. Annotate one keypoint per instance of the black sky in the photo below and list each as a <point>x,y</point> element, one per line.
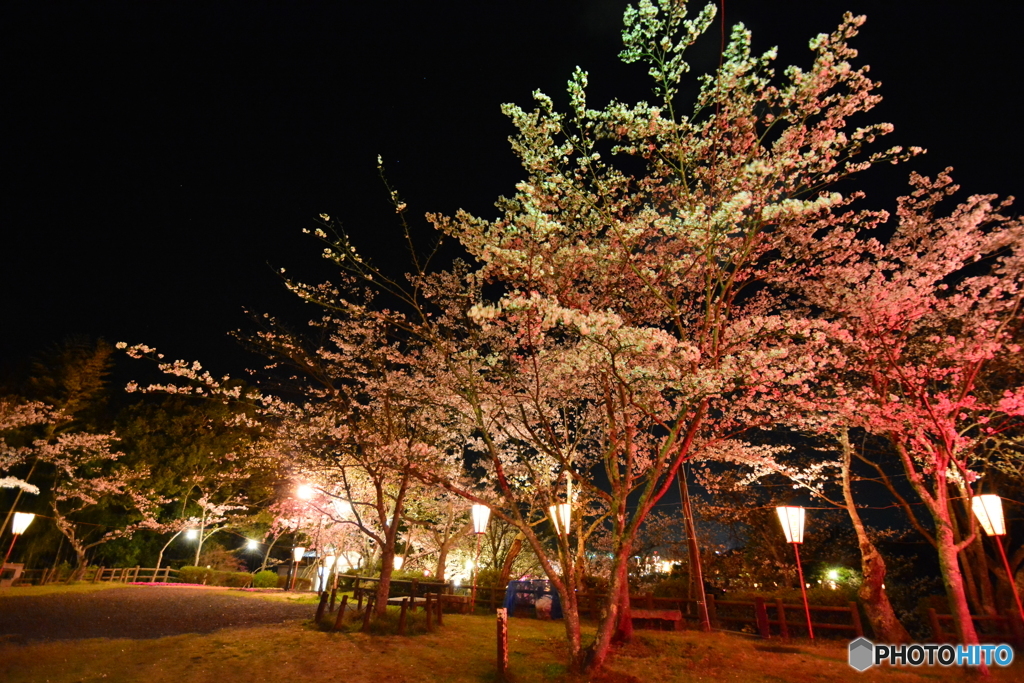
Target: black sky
<point>161,158</point>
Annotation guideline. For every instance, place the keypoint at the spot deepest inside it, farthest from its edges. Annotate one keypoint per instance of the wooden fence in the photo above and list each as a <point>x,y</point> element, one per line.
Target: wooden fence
<point>758,617</point>
<point>998,628</point>
<point>41,577</point>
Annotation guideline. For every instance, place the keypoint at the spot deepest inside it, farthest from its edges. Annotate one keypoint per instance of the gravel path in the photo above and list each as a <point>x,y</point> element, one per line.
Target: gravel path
<point>137,612</point>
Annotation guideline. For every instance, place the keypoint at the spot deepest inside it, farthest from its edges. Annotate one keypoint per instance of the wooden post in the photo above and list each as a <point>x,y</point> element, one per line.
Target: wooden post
<point>359,606</point>
<point>933,619</point>
<point>761,614</point>
<point>430,617</point>
<point>98,576</point>
<point>712,610</point>
<point>783,626</point>
<point>401,616</point>
<point>502,643</point>
<point>341,612</point>
<point>367,613</point>
<point>855,616</point>
<point>321,608</point>
<point>414,589</point>
<point>440,611</point>
<point>334,594</point>
<point>135,577</point>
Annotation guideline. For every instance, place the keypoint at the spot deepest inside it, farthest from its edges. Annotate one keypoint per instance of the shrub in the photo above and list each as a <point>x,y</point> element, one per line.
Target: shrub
<point>265,579</point>
<point>212,577</point>
<point>678,587</point>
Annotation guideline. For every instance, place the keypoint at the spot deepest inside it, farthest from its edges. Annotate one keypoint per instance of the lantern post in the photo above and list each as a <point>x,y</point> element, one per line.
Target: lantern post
<point>481,515</point>
<point>18,526</point>
<point>988,508</point>
<point>792,519</point>
<point>297,554</point>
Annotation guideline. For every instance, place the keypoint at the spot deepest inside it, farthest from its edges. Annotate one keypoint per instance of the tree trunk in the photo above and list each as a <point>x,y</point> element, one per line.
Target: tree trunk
<point>881,616</point>
<point>510,558</point>
<point>442,562</point>
<point>954,583</point>
<point>387,566</point>
<point>616,623</point>
<point>160,557</point>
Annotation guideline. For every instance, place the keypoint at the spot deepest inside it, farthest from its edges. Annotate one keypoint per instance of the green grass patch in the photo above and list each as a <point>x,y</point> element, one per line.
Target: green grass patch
<point>13,591</point>
<point>462,651</point>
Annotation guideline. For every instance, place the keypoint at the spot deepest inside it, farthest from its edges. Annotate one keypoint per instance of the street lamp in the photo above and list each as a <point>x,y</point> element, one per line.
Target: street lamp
<point>989,511</point>
<point>792,519</point>
<point>297,554</point>
<point>192,534</point>
<point>18,526</point>
<point>304,491</point>
<point>561,517</point>
<point>481,515</point>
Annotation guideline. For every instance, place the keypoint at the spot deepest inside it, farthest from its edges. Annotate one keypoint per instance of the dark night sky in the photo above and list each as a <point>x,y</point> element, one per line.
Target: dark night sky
<point>159,157</point>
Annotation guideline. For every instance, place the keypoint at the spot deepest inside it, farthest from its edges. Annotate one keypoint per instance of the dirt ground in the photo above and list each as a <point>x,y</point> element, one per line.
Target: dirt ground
<point>136,612</point>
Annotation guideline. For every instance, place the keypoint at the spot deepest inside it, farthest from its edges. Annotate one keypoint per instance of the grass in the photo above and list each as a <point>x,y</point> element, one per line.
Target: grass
<point>463,651</point>
<point>33,591</point>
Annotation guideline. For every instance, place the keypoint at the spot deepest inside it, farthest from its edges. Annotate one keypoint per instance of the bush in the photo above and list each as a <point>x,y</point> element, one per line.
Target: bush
<point>672,588</point>
<point>265,579</point>
<point>212,577</point>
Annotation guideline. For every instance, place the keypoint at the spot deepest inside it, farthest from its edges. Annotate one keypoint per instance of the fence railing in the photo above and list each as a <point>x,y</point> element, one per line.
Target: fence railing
<point>760,616</point>
<point>995,628</point>
<point>41,577</point>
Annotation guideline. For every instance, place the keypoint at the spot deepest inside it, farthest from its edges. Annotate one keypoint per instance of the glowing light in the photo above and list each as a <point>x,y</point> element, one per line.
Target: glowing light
<point>398,563</point>
<point>21,522</point>
<point>252,544</point>
<point>833,574</point>
<point>561,517</point>
<point>792,519</point>
<point>481,515</point>
<point>304,491</point>
<point>298,553</point>
<point>989,511</point>
<point>192,534</point>
<point>342,507</point>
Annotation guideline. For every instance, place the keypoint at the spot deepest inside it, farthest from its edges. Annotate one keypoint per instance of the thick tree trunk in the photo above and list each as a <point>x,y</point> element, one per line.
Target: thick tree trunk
<point>879,611</point>
<point>387,566</point>
<point>616,623</point>
<point>442,562</point>
<point>510,558</point>
<point>953,580</point>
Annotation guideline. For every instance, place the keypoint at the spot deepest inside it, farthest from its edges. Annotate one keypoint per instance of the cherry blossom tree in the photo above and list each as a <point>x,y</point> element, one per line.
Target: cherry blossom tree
<point>919,317</point>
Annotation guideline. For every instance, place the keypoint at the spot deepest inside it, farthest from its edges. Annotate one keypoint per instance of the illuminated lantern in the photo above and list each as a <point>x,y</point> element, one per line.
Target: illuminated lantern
<point>989,511</point>
<point>561,517</point>
<point>481,515</point>
<point>21,522</point>
<point>792,519</point>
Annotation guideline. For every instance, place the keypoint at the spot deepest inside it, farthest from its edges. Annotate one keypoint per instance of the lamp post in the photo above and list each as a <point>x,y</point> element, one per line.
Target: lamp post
<point>481,515</point>
<point>297,554</point>
<point>989,511</point>
<point>18,526</point>
<point>792,519</point>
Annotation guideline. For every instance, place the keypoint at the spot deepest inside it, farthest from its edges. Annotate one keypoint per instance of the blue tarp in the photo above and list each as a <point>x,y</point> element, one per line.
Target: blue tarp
<point>527,592</point>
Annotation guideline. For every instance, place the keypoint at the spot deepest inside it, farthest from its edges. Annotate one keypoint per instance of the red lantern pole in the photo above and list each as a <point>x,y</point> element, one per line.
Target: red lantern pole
<point>803,590</point>
<point>1009,577</point>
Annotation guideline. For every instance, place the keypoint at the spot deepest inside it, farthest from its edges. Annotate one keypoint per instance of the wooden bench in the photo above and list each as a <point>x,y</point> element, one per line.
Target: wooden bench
<point>659,617</point>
